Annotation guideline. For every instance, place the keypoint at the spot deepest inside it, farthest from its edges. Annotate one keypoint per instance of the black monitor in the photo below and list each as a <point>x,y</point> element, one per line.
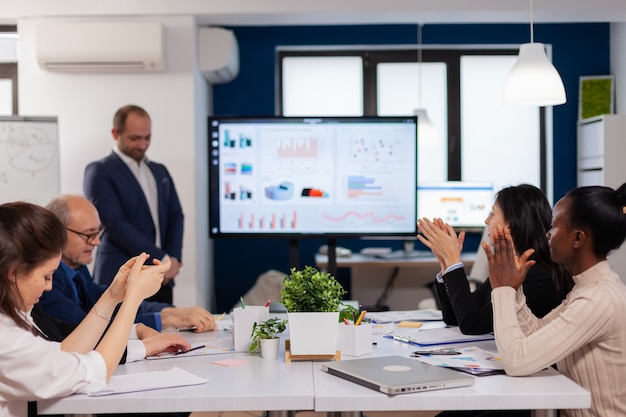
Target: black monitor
<point>312,176</point>
<point>463,204</point>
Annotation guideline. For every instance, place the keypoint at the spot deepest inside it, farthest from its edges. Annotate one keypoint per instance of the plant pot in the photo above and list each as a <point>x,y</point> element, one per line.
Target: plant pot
<point>354,340</point>
<point>313,333</point>
<point>269,348</point>
<point>243,320</point>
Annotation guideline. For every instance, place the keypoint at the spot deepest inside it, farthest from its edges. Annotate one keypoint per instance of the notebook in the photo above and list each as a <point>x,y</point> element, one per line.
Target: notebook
<point>397,374</point>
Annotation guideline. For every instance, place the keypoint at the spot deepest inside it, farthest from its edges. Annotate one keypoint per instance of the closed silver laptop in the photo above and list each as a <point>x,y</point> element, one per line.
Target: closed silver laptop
<point>397,374</point>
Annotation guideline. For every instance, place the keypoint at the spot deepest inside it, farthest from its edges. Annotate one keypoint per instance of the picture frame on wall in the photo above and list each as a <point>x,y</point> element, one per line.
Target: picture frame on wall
<point>596,96</point>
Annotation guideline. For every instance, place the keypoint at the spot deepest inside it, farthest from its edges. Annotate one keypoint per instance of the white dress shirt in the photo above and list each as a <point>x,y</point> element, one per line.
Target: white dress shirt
<point>34,368</point>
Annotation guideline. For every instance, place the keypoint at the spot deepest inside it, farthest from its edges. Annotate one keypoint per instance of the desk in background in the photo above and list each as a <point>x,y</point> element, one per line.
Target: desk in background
<point>399,282</point>
<point>283,388</point>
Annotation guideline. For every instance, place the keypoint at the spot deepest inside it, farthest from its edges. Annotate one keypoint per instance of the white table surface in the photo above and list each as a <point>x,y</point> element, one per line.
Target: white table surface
<point>261,384</point>
<point>273,385</point>
<point>547,389</point>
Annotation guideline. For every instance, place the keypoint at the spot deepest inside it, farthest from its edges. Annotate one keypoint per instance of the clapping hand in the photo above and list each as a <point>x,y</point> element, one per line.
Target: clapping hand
<point>505,267</point>
<point>442,240</point>
<point>117,288</point>
<point>144,281</point>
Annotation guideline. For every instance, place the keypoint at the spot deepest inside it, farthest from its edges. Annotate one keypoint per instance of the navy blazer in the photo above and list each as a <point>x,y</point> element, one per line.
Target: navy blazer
<point>125,213</point>
<point>62,302</point>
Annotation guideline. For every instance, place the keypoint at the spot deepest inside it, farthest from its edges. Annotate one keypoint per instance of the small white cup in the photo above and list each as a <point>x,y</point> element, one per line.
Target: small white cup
<point>243,320</point>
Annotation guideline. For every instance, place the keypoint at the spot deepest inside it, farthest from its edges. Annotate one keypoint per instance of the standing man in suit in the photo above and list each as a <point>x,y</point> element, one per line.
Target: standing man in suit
<point>137,202</point>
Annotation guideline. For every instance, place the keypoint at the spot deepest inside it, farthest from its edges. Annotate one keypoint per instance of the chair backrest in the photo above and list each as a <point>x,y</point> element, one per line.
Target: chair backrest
<point>480,268</point>
<point>267,287</point>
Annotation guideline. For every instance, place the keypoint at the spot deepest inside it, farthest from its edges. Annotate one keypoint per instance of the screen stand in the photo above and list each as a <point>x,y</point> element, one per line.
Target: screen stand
<point>294,253</point>
<point>332,257</point>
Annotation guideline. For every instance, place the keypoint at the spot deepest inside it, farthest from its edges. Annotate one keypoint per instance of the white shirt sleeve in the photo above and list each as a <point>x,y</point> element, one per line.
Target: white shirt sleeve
<point>135,351</point>
<point>133,332</point>
<point>34,368</point>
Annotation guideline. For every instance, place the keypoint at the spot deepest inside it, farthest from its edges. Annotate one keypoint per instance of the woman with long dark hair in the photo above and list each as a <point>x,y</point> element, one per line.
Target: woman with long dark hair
<point>31,239</point>
<point>525,212</point>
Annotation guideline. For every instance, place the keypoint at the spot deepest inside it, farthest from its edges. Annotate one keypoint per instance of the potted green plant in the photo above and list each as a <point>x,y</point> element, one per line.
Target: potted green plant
<point>312,299</point>
<point>265,335</point>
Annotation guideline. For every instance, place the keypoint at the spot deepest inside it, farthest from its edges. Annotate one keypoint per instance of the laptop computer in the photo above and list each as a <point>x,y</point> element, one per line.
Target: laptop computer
<point>397,374</point>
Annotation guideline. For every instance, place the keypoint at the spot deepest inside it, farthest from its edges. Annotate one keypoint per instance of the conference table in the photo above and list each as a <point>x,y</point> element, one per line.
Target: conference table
<point>282,388</point>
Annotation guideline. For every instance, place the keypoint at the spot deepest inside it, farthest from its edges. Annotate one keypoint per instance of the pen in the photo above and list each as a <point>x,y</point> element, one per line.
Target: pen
<point>402,339</point>
<point>243,305</point>
<point>345,320</point>
<point>358,321</point>
<point>193,348</point>
<point>268,302</point>
<point>221,316</point>
<point>437,352</point>
<point>187,329</point>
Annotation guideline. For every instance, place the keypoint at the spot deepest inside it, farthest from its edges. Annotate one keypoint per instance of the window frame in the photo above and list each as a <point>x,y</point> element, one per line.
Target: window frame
<point>451,56</point>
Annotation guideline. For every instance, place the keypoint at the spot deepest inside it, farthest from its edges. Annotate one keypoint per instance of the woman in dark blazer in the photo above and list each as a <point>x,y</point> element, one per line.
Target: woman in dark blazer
<point>526,213</point>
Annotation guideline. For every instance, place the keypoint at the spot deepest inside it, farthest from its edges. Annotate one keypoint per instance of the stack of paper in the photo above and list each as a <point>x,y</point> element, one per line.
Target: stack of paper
<point>404,315</point>
<point>209,348</point>
<point>145,381</point>
<point>431,337</point>
<point>472,360</point>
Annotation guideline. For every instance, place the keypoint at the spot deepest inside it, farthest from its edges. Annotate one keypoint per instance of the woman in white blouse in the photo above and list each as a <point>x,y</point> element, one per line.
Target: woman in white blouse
<point>31,239</point>
<point>585,335</point>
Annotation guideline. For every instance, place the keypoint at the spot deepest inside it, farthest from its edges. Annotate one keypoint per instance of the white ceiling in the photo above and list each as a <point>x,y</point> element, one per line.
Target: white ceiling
<point>316,12</point>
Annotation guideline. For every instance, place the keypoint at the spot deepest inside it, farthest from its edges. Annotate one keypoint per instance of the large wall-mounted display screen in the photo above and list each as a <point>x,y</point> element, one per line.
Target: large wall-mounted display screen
<point>326,176</point>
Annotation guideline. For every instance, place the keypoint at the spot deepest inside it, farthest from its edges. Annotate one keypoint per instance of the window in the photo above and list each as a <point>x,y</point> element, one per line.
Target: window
<point>324,86</point>
<point>460,88</point>
<point>8,70</point>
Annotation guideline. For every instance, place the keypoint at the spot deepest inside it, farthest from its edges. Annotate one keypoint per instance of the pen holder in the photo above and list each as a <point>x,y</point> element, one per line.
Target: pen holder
<point>243,320</point>
<point>354,340</point>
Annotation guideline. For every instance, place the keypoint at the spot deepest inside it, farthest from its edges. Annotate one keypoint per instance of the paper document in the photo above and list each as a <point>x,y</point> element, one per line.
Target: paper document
<point>432,337</point>
<point>145,381</point>
<point>472,360</point>
<point>210,348</point>
<point>404,315</point>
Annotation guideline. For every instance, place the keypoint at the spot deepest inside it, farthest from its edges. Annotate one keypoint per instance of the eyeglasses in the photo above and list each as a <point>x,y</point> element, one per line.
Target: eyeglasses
<point>89,237</point>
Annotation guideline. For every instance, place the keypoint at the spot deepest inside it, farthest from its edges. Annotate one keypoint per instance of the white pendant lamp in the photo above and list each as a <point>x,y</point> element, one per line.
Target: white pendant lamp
<point>533,80</point>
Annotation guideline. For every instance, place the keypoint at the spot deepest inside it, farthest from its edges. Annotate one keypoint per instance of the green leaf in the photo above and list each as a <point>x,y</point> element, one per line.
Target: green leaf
<point>311,290</point>
<point>269,329</point>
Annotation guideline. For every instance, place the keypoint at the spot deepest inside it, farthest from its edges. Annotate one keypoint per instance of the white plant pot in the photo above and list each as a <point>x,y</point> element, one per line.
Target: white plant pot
<point>313,333</point>
<point>354,340</point>
<point>269,348</point>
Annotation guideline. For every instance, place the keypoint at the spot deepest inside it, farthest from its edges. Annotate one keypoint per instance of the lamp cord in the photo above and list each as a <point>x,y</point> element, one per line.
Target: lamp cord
<point>419,62</point>
<point>531,23</point>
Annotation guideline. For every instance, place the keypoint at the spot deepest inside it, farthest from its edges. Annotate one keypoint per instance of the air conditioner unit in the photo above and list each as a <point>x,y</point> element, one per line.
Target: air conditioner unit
<point>218,54</point>
<point>100,46</point>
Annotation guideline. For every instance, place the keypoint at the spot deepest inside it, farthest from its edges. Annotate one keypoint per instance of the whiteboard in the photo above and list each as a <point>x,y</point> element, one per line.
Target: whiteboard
<point>29,159</point>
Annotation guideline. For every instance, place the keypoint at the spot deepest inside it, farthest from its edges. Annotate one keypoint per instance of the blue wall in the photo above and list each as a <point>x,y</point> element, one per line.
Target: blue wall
<point>577,49</point>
